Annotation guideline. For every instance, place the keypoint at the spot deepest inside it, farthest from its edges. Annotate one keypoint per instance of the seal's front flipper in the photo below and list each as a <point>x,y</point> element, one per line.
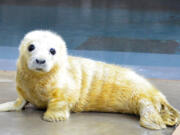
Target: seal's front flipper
<point>13,105</point>
<point>57,111</point>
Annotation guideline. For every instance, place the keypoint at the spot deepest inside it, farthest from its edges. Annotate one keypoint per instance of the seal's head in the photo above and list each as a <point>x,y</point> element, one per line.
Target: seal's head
<point>42,50</point>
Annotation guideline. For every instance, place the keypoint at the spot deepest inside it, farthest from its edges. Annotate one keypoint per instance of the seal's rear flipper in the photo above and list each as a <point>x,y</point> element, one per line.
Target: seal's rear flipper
<point>149,116</point>
<point>169,115</point>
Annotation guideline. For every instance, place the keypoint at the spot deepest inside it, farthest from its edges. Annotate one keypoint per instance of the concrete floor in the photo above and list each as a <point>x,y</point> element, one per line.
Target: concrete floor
<point>29,121</point>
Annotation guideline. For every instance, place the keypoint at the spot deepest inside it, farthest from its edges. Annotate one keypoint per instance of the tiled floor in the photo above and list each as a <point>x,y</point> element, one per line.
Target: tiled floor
<point>29,121</point>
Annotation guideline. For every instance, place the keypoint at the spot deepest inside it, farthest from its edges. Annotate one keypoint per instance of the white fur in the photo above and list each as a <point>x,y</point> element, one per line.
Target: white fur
<point>10,106</point>
<point>43,42</point>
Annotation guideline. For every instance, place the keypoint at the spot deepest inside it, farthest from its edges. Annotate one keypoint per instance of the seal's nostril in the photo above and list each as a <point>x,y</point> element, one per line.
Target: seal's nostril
<point>40,61</point>
<point>37,61</point>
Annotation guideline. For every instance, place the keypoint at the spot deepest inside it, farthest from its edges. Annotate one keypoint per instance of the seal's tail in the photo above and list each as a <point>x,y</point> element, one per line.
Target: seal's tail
<point>170,115</point>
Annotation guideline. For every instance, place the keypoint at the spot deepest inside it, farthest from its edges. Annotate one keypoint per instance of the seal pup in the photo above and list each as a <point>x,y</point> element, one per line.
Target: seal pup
<point>48,78</point>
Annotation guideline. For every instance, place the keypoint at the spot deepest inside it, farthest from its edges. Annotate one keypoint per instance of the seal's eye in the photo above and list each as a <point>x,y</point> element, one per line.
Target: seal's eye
<point>31,47</point>
<point>52,51</point>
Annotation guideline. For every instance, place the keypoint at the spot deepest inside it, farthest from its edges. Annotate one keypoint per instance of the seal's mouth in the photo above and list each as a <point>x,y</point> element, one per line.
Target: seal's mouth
<point>39,69</point>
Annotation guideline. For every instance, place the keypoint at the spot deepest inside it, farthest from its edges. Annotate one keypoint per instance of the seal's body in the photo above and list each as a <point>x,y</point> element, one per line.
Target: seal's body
<point>48,78</point>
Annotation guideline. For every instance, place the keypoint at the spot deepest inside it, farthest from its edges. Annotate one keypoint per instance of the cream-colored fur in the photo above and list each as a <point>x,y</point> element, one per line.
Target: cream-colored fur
<point>64,83</point>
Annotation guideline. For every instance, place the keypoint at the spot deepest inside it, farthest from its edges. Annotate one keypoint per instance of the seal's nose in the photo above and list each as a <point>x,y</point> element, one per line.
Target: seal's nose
<point>40,61</point>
